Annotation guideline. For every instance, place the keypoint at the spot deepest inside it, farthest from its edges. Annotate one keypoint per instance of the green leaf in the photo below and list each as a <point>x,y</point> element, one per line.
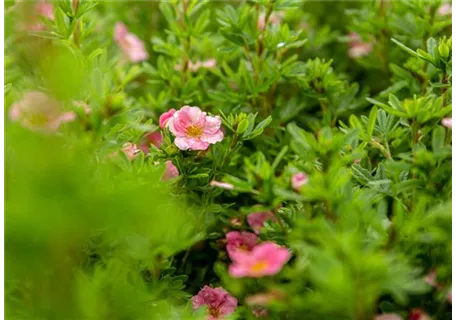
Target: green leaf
<point>371,122</point>
<point>438,138</point>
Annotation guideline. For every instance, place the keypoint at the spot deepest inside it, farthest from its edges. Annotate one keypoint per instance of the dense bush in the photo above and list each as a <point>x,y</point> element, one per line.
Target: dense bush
<point>228,159</point>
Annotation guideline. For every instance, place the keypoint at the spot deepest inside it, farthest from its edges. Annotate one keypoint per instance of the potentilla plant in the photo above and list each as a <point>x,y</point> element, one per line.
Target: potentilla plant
<point>229,160</point>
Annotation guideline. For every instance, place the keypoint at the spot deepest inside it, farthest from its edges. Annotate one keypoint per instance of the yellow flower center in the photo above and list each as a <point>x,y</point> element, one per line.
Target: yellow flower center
<point>194,131</point>
<point>259,266</point>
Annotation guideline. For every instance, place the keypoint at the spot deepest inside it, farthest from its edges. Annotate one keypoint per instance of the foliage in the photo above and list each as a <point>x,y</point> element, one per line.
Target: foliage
<point>354,96</point>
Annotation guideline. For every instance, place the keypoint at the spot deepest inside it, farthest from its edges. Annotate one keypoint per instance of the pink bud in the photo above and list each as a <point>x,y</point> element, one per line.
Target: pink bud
<point>171,171</point>
<point>298,180</point>
<point>256,220</point>
<point>132,47</point>
<point>446,122</point>
<point>444,10</point>
<point>130,150</point>
<point>165,117</point>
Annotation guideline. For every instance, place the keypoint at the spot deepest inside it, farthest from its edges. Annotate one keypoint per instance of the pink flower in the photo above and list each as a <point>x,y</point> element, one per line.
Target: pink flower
<point>154,138</point>
<point>194,130</point>
<point>171,171</point>
<point>358,48</point>
<point>298,180</point>
<point>218,301</point>
<point>256,220</point>
<point>444,10</point>
<point>449,296</point>
<point>130,44</point>
<point>39,112</point>
<point>45,9</point>
<point>388,316</point>
<point>240,242</point>
<point>265,259</point>
<point>431,279</point>
<point>130,150</point>
<point>274,19</point>
<point>223,185</point>
<point>165,117</point>
<point>446,122</point>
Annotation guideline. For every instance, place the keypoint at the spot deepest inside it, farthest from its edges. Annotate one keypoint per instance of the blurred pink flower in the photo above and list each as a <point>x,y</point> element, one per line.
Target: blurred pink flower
<point>446,122</point>
<point>154,138</point>
<point>171,171</point>
<point>218,301</point>
<point>444,10</point>
<point>194,129</point>
<point>165,117</point>
<point>39,112</point>
<point>388,316</point>
<point>256,220</point>
<point>130,150</point>
<point>449,296</point>
<point>240,242</point>
<point>298,180</point>
<point>130,44</point>
<point>265,259</point>
<point>431,279</point>
<point>223,185</point>
<point>274,19</point>
<point>45,9</point>
<point>358,48</point>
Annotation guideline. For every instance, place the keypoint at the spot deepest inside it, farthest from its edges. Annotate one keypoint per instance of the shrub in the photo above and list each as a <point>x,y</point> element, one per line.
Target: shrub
<point>195,159</point>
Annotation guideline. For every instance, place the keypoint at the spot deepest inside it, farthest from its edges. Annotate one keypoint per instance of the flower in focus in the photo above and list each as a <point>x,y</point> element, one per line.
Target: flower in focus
<point>265,259</point>
<point>388,316</point>
<point>446,122</point>
<point>256,220</point>
<point>130,44</point>
<point>218,301</point>
<point>240,242</point>
<point>444,10</point>
<point>130,150</point>
<point>298,180</point>
<point>165,117</point>
<point>171,171</point>
<point>223,185</point>
<point>194,129</point>
<point>358,48</point>
<point>39,112</point>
